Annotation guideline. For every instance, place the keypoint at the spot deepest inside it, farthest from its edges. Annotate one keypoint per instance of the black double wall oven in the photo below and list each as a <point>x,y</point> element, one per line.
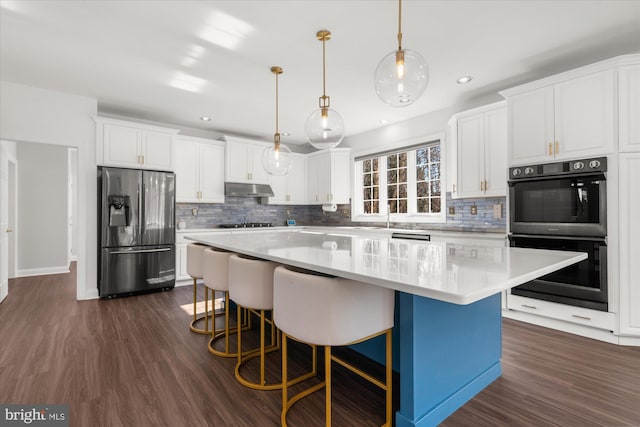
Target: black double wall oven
<point>563,206</point>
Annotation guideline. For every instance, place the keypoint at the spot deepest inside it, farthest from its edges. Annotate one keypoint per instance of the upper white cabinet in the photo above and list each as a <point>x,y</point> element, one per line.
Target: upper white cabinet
<point>199,170</point>
<point>629,254</point>
<point>328,176</point>
<point>629,106</point>
<point>479,137</point>
<point>567,116</point>
<point>133,145</point>
<point>244,161</point>
<point>291,189</point>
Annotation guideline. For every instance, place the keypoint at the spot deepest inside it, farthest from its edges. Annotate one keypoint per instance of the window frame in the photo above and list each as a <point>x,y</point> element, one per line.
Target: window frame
<point>412,216</point>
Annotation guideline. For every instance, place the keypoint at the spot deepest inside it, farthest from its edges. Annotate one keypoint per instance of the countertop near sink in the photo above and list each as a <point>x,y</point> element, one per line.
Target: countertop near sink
<point>354,230</point>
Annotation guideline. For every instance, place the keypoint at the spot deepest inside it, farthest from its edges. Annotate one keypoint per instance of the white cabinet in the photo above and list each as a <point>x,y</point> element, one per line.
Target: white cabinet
<point>629,253</point>
<point>244,161</point>
<point>568,116</point>
<point>480,139</point>
<point>629,107</point>
<point>291,189</point>
<point>199,170</point>
<point>133,145</point>
<point>329,176</point>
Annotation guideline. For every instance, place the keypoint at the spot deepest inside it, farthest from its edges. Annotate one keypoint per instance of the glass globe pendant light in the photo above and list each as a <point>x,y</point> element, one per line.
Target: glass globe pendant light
<point>276,160</point>
<point>324,128</point>
<point>402,76</point>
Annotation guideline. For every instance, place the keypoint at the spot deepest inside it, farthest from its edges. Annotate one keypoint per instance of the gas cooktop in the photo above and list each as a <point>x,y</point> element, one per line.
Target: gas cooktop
<point>247,225</point>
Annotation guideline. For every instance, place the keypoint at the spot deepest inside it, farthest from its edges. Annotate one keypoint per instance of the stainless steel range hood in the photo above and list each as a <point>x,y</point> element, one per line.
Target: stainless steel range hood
<point>239,189</point>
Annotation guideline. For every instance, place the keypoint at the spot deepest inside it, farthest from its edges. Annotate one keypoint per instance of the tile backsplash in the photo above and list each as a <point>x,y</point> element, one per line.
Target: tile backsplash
<point>247,209</point>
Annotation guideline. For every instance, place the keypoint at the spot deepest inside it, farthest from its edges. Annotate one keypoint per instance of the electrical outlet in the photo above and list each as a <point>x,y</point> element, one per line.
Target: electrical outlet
<point>452,210</point>
<point>288,212</point>
<point>194,211</point>
<point>474,210</point>
<point>345,213</point>
<point>497,211</point>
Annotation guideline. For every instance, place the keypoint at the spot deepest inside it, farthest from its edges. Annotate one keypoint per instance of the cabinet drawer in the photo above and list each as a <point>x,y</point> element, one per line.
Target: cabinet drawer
<point>567,313</point>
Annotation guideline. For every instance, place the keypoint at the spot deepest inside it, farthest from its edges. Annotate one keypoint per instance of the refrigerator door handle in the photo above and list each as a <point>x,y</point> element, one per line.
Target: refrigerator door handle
<point>141,210</point>
<point>141,251</point>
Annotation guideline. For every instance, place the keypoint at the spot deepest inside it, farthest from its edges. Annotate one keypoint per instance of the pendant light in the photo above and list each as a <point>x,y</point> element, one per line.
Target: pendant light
<point>276,160</point>
<point>402,76</point>
<point>324,127</point>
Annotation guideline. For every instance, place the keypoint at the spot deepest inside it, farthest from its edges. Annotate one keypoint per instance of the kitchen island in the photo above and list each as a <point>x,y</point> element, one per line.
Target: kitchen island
<point>448,334</point>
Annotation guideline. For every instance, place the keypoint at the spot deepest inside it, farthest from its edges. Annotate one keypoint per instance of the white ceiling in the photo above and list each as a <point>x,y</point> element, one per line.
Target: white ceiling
<point>130,54</point>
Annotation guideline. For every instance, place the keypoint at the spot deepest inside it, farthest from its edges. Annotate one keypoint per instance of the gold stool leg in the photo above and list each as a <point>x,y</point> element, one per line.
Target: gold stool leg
<point>389,379</point>
<point>285,396</point>
<point>206,309</point>
<point>327,379</point>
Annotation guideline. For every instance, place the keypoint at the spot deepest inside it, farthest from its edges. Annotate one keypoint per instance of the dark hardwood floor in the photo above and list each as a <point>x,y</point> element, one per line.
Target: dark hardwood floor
<point>133,362</point>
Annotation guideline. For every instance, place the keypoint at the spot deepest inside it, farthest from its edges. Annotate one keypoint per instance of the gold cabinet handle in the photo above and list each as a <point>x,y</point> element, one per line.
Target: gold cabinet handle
<point>486,185</point>
<point>557,147</point>
<point>9,230</point>
<point>581,317</point>
<point>454,188</point>
<point>481,185</point>
<point>550,149</point>
<point>529,306</point>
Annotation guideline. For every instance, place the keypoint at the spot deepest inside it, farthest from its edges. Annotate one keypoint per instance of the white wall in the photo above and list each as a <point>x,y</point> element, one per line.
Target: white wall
<point>42,209</point>
<point>29,114</point>
<point>399,134</point>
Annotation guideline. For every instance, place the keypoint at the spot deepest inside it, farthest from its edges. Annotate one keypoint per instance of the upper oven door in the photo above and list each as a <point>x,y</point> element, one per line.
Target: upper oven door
<point>572,205</point>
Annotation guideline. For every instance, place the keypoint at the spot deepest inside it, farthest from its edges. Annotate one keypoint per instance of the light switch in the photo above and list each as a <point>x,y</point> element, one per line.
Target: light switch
<point>452,210</point>
<point>497,211</point>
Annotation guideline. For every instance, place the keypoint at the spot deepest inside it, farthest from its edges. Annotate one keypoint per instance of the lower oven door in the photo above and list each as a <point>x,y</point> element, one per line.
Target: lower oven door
<point>583,284</point>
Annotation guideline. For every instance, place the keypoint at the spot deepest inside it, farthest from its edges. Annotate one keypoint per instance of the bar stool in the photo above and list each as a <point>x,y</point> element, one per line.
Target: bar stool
<point>251,287</point>
<point>194,269</point>
<point>331,311</point>
<point>216,278</point>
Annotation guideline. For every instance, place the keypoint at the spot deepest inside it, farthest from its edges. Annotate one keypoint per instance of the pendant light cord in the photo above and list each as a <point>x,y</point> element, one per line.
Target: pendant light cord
<point>324,89</point>
<point>399,24</point>
<point>277,104</point>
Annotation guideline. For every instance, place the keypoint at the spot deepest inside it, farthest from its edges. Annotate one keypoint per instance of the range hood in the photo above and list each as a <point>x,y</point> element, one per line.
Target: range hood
<point>239,189</point>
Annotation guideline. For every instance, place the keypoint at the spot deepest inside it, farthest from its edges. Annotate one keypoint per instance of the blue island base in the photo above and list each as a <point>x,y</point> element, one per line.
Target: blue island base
<point>445,354</point>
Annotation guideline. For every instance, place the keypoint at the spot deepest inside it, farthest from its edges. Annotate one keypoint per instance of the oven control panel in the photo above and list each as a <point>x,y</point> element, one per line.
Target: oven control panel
<point>598,164</point>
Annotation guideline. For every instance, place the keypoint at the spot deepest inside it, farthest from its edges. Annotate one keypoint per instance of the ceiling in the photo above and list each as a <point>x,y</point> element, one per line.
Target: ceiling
<point>175,61</point>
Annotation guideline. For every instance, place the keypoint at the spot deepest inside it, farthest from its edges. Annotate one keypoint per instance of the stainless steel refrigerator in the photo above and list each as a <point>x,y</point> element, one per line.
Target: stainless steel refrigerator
<point>136,222</point>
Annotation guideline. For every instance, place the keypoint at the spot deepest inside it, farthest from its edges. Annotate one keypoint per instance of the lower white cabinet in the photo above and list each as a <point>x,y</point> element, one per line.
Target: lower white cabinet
<point>629,253</point>
<point>291,189</point>
<point>577,315</point>
<point>181,262</point>
<point>199,170</point>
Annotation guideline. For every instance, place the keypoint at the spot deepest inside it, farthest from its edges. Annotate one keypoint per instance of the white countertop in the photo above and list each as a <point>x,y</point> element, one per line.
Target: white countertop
<point>461,271</point>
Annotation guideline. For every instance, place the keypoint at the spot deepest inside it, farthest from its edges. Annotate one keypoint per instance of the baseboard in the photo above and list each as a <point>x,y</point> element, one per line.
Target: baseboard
<point>28,272</point>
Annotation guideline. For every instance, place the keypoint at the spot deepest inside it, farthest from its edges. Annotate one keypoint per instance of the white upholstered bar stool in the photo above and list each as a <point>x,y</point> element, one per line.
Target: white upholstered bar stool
<point>194,269</point>
<point>331,311</point>
<point>251,287</point>
<point>216,278</point>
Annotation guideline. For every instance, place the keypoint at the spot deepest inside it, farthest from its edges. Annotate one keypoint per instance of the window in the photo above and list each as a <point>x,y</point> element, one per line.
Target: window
<point>404,184</point>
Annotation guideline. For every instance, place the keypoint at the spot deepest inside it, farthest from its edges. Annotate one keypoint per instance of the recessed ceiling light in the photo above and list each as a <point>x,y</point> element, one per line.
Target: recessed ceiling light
<point>205,119</point>
<point>383,122</point>
<point>464,79</point>
<point>285,134</point>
